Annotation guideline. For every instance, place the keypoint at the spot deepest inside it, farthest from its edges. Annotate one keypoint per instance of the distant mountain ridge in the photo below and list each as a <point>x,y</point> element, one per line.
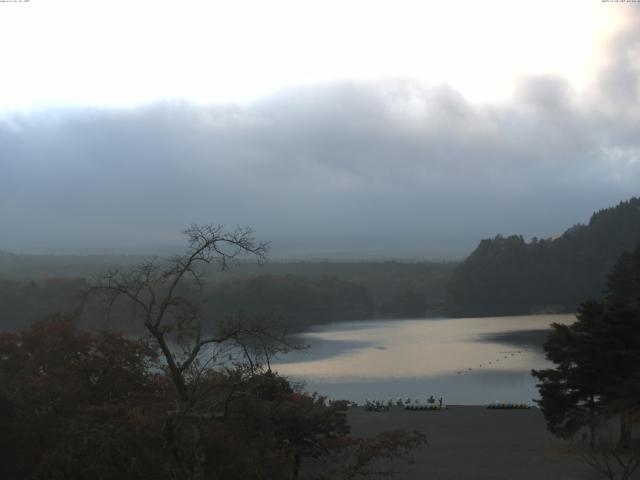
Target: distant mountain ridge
<point>507,275</point>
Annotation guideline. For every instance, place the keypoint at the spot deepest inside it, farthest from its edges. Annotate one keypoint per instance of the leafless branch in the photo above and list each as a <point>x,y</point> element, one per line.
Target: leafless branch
<point>174,321</point>
<point>611,458</point>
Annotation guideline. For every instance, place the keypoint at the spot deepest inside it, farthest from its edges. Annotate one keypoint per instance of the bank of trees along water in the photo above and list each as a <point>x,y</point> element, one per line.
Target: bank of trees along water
<point>77,405</point>
<point>508,275</point>
<point>300,294</point>
<point>596,378</point>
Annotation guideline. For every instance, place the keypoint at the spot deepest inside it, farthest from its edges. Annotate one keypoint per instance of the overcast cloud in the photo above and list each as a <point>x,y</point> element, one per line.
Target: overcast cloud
<point>396,168</point>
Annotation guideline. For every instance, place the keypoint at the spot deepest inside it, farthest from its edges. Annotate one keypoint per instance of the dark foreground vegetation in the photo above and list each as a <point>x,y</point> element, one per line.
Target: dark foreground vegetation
<point>595,385</point>
<point>507,275</point>
<point>180,402</point>
<point>78,405</point>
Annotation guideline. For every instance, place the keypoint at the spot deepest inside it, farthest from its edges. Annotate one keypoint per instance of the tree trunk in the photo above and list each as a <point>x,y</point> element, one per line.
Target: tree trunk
<point>296,466</point>
<point>625,432</point>
<point>176,374</point>
<point>592,424</point>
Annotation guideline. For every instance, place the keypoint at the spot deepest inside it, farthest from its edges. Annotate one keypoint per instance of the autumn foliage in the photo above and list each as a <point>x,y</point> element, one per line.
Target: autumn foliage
<point>77,405</point>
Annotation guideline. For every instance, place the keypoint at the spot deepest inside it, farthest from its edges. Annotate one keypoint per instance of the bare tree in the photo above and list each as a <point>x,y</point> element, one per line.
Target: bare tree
<point>163,294</point>
<point>615,459</point>
<point>212,366</point>
<point>160,292</point>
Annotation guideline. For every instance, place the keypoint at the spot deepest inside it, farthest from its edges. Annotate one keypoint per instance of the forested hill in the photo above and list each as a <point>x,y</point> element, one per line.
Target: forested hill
<point>297,293</point>
<point>507,275</point>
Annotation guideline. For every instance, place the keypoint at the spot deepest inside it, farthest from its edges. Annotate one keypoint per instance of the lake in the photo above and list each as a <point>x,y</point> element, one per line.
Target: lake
<point>467,361</point>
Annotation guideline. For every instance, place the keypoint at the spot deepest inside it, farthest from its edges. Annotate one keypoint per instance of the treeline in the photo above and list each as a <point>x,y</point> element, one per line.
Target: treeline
<point>316,293</point>
<point>295,300</point>
<point>508,275</point>
<point>504,275</point>
<point>23,303</point>
<point>15,266</point>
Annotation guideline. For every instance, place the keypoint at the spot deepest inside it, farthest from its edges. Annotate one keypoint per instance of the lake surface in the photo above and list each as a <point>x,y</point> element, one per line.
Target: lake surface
<point>467,361</point>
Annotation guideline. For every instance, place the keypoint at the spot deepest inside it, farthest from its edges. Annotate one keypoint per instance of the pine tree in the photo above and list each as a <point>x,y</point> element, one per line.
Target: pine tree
<point>597,358</point>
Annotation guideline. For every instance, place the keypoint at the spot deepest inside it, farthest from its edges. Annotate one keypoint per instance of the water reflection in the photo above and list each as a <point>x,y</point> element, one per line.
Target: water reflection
<point>468,361</point>
<point>527,338</point>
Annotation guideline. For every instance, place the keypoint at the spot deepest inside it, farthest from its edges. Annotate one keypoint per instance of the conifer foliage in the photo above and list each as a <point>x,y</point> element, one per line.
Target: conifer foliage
<point>596,378</point>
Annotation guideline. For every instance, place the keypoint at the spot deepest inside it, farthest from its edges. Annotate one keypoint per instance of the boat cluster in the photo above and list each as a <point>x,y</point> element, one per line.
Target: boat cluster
<point>424,407</point>
<point>407,404</point>
<point>508,406</point>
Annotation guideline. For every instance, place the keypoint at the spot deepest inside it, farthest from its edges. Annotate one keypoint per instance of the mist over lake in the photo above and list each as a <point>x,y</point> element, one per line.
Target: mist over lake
<point>467,361</point>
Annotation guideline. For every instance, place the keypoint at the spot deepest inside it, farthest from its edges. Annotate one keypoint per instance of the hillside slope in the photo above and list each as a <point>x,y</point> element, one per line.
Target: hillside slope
<point>507,275</point>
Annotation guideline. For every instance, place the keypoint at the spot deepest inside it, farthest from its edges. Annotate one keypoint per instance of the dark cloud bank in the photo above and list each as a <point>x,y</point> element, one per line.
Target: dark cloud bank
<point>387,169</point>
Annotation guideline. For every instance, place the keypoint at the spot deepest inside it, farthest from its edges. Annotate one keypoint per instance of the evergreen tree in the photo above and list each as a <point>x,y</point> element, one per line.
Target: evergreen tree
<point>597,373</point>
<point>623,283</point>
<point>571,393</point>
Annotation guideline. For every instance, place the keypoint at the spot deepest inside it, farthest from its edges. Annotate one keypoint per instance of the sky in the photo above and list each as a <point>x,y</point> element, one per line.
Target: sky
<point>359,129</point>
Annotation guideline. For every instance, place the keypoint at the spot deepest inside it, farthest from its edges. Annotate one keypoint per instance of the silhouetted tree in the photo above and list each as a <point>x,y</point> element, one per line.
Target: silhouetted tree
<point>570,393</point>
<point>161,294</point>
<point>232,417</point>
<point>597,358</point>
